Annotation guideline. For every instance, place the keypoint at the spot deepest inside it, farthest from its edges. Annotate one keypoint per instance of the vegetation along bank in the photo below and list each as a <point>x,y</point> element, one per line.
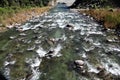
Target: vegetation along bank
<point>16,12</point>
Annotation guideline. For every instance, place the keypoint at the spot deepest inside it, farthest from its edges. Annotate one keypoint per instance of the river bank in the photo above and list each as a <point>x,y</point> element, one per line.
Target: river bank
<point>10,20</point>
<point>109,18</point>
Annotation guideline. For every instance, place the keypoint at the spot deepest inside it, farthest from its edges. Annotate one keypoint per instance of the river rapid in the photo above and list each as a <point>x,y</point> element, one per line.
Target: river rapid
<point>60,45</point>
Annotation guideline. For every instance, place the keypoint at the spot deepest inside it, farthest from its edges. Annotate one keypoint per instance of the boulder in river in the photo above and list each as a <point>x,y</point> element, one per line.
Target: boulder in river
<point>79,64</point>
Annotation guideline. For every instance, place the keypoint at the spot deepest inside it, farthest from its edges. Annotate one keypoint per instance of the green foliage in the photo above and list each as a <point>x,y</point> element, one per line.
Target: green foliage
<point>23,3</point>
<point>9,7</point>
<point>96,3</point>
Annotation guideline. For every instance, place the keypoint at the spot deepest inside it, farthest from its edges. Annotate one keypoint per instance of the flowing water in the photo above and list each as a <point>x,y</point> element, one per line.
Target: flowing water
<point>45,48</point>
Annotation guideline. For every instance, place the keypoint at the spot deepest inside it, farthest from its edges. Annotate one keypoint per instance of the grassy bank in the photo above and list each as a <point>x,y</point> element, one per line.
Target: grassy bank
<point>13,15</point>
<point>110,18</point>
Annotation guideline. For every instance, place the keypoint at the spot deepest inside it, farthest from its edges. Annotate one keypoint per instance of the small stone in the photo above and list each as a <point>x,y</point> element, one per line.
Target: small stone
<point>12,37</point>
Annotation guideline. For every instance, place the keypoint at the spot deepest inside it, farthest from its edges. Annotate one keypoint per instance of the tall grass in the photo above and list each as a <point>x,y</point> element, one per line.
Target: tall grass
<point>7,12</point>
<point>111,20</point>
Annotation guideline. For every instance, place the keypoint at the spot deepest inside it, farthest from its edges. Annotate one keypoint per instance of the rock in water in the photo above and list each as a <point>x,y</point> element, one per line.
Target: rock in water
<point>79,62</point>
<point>70,26</point>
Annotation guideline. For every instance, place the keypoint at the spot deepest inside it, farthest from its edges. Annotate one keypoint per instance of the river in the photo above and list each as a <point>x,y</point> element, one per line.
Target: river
<point>46,48</point>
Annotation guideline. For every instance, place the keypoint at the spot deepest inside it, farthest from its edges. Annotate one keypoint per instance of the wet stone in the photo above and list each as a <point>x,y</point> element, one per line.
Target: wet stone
<point>79,63</point>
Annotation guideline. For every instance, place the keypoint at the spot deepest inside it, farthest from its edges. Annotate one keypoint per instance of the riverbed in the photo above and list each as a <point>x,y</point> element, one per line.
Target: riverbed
<point>46,48</point>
